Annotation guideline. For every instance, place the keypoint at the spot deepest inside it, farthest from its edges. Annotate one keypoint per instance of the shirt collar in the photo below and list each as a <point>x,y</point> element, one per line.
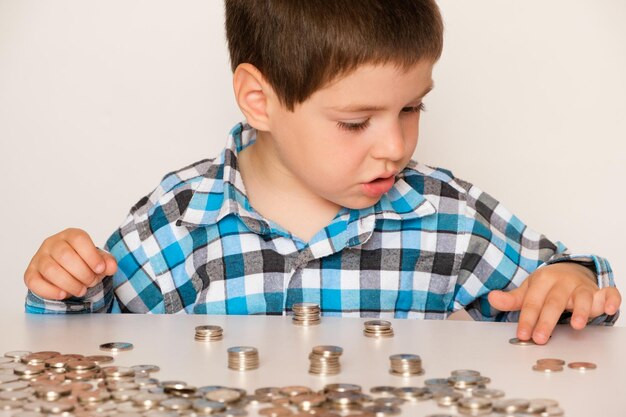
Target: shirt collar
<point>219,195</point>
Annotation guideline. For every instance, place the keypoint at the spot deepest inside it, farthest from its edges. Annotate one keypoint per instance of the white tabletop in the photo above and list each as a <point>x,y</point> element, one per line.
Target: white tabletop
<point>168,341</point>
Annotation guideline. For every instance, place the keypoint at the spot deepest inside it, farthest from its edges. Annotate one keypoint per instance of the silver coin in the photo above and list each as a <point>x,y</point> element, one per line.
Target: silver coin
<point>518,342</point>
<point>116,346</point>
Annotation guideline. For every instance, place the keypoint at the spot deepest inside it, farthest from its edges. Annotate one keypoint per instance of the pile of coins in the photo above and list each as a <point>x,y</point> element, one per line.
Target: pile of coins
<point>325,360</point>
<point>48,383</point>
<point>306,314</point>
<point>243,358</point>
<point>406,364</point>
<point>209,333</point>
<point>378,328</point>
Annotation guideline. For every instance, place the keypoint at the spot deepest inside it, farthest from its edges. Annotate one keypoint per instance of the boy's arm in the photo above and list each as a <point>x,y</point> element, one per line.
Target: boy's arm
<point>501,254</point>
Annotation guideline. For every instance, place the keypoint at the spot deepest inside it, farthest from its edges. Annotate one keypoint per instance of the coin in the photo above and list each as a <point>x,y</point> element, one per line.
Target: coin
<point>551,361</point>
<point>116,346</point>
<point>224,395</point>
<point>582,366</point>
<point>295,390</point>
<point>518,342</point>
<point>275,412</point>
<point>382,390</point>
<point>100,359</point>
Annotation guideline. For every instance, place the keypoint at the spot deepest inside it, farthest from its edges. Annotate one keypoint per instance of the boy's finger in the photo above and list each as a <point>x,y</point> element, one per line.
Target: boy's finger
<point>65,255</point>
<point>531,309</point>
<point>38,285</point>
<point>553,307</point>
<point>84,246</point>
<point>582,299</point>
<point>54,273</point>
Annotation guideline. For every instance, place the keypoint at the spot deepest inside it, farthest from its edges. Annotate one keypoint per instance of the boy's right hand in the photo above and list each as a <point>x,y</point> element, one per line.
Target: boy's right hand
<point>67,264</point>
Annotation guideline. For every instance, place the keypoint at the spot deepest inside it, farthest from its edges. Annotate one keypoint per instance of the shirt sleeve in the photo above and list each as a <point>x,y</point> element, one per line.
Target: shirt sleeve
<point>125,291</point>
<point>502,252</point>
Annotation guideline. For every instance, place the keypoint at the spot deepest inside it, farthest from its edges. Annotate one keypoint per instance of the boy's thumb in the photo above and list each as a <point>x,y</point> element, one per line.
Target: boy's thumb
<point>111,264</point>
<point>506,301</point>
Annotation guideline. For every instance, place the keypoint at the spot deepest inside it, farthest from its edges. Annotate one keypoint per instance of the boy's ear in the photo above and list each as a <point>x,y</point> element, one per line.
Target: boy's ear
<point>252,93</point>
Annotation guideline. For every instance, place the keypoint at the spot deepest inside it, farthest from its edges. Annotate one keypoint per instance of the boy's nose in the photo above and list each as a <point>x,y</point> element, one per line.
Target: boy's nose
<point>390,145</point>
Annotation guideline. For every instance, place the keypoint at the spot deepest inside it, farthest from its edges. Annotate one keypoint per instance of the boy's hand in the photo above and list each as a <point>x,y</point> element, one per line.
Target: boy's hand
<point>66,264</point>
<point>549,291</point>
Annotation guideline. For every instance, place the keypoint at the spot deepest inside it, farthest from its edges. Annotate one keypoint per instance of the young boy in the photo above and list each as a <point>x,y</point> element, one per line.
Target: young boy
<point>316,199</point>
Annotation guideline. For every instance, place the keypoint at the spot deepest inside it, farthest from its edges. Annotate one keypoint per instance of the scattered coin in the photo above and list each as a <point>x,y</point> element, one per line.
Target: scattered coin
<point>116,346</point>
<point>548,368</point>
<point>582,366</point>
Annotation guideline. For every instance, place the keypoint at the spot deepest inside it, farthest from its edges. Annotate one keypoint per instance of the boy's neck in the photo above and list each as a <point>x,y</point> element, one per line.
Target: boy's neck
<point>278,195</point>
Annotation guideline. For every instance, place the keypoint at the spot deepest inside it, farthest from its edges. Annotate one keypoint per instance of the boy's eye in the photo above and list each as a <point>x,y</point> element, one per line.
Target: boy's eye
<point>354,127</point>
<point>415,109</point>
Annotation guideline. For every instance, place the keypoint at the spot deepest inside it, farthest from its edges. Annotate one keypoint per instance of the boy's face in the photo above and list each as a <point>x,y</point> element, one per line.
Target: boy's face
<point>346,142</point>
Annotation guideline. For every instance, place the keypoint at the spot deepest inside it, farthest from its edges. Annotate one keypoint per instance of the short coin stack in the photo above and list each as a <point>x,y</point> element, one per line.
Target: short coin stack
<point>406,364</point>
<point>378,328</point>
<point>325,360</point>
<point>209,333</point>
<point>549,365</point>
<point>243,358</point>
<point>306,314</point>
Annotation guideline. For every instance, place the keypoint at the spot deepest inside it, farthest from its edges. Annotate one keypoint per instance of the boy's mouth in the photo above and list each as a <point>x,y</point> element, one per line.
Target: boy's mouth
<point>378,186</point>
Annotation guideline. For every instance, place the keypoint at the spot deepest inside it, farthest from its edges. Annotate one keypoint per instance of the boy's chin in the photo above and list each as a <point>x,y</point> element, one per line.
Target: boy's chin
<point>361,202</point>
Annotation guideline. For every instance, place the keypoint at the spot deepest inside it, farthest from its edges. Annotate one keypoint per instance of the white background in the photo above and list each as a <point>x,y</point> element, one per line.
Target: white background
<point>100,99</point>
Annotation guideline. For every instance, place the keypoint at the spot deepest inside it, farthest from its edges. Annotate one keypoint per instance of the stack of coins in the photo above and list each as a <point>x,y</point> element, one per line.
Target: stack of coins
<point>325,360</point>
<point>208,333</point>
<point>378,328</point>
<point>306,314</point>
<point>549,365</point>
<point>406,364</point>
<point>243,358</point>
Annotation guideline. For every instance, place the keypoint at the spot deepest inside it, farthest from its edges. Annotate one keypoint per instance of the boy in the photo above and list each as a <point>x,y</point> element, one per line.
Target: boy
<point>315,197</point>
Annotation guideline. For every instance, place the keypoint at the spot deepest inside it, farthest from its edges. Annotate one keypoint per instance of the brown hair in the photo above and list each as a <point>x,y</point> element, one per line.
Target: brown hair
<point>302,45</point>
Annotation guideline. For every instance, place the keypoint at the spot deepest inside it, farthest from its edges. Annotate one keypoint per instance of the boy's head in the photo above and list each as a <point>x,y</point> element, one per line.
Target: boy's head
<point>301,45</point>
<point>334,89</point>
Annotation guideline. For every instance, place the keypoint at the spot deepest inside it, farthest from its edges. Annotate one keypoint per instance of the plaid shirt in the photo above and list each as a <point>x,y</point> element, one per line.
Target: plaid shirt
<point>432,245</point>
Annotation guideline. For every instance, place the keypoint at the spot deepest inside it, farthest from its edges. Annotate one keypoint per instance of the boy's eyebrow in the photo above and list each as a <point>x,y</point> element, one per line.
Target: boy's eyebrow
<point>355,108</point>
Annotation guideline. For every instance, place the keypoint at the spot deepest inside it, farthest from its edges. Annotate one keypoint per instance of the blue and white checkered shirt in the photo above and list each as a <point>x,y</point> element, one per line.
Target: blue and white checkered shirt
<point>432,245</point>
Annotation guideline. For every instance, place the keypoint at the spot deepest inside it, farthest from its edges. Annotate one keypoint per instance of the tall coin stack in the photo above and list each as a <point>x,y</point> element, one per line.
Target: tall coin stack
<point>406,364</point>
<point>306,314</point>
<point>208,333</point>
<point>325,360</point>
<point>243,358</point>
<point>378,328</point>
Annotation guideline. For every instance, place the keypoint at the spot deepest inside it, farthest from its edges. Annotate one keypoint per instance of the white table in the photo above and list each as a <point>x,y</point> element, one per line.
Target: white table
<point>168,341</point>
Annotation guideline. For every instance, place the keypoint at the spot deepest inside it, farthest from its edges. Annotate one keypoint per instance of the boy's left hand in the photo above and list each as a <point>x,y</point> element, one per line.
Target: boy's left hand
<point>549,291</point>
